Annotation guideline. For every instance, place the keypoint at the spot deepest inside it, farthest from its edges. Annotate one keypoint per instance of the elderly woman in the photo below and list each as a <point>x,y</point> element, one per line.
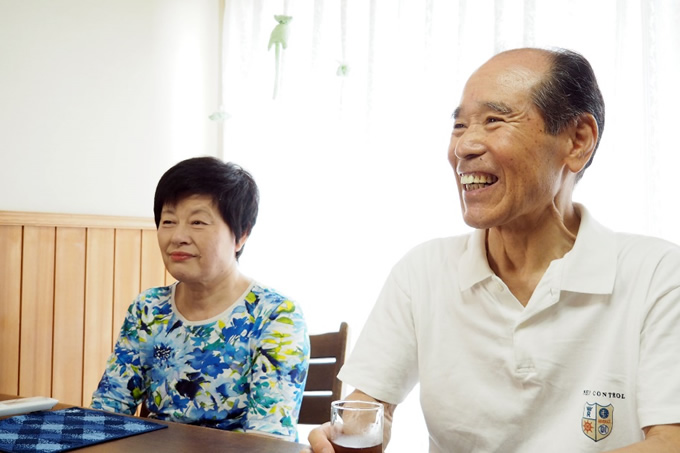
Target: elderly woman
<point>215,348</point>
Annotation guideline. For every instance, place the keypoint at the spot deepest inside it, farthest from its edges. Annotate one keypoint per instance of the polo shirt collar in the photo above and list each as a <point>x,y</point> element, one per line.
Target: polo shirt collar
<point>589,267</point>
<point>473,266</point>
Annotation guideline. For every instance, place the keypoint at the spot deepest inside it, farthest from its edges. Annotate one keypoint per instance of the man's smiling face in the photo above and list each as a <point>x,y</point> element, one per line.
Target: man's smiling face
<point>508,168</point>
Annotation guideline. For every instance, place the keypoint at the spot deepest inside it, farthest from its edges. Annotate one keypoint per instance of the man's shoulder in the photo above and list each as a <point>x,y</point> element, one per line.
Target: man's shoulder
<point>438,250</point>
<point>625,242</point>
<point>450,243</point>
<point>647,251</point>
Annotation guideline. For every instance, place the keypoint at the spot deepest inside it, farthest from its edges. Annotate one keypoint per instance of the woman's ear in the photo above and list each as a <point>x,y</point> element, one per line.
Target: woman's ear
<point>584,135</point>
<point>241,242</point>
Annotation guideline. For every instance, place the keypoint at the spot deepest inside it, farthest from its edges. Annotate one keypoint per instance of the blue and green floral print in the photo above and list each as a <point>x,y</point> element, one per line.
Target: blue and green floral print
<point>243,370</point>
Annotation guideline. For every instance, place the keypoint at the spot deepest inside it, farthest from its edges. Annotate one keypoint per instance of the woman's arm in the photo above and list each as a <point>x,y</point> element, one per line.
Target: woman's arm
<point>121,387</point>
<point>279,372</point>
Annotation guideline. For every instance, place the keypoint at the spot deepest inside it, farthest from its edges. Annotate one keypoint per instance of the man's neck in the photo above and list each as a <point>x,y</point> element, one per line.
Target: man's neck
<point>520,254</point>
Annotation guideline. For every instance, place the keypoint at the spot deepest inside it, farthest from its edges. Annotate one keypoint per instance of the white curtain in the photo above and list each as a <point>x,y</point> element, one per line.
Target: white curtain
<point>353,169</point>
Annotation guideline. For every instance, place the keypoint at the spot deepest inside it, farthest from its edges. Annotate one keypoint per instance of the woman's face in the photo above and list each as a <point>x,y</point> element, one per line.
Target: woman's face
<point>196,243</point>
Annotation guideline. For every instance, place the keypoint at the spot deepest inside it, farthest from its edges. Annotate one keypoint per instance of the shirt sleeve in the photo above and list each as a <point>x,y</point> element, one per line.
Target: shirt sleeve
<point>659,368</point>
<point>384,361</point>
<point>121,387</point>
<point>279,372</point>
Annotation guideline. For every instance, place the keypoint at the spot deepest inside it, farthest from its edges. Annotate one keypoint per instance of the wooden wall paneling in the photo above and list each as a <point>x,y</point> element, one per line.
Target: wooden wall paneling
<point>65,283</point>
<point>74,220</point>
<point>98,307</point>
<point>153,269</point>
<point>10,306</point>
<point>126,275</point>
<point>37,307</point>
<point>69,315</point>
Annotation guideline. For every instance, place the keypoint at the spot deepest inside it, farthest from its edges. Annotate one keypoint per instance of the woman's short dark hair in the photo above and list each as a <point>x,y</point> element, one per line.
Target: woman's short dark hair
<point>231,187</point>
<point>569,90</point>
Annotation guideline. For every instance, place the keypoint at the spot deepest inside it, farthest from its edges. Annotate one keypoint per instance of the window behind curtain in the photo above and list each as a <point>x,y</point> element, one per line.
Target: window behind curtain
<point>353,169</point>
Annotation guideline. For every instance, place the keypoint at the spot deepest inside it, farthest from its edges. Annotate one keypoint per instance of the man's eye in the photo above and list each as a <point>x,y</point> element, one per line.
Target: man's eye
<point>458,126</point>
<point>167,222</point>
<point>494,119</point>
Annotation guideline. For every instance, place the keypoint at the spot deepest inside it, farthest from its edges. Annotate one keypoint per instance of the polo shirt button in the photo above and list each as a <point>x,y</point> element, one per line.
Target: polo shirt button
<point>524,367</point>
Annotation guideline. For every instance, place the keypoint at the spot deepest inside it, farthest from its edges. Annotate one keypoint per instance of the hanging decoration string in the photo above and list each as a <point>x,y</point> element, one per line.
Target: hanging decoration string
<point>279,40</point>
<point>343,68</point>
<point>220,116</point>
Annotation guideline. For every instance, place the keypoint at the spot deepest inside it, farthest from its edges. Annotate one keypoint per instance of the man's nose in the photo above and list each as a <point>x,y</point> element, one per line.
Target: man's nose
<point>470,144</point>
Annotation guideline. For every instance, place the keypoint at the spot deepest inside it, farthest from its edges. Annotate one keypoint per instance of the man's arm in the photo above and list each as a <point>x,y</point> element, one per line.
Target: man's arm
<point>658,439</point>
<point>319,437</point>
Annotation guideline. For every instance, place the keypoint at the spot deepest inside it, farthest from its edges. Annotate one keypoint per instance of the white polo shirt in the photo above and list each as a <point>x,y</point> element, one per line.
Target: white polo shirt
<point>593,358</point>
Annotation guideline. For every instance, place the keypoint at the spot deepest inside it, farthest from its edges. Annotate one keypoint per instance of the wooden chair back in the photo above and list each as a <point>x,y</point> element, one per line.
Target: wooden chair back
<point>323,387</point>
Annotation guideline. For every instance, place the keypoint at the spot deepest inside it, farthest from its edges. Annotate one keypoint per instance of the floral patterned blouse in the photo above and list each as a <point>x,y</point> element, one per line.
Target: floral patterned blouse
<point>243,370</point>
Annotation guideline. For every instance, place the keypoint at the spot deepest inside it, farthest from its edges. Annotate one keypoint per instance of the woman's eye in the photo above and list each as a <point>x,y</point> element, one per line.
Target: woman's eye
<point>494,119</point>
<point>458,126</point>
<point>198,222</point>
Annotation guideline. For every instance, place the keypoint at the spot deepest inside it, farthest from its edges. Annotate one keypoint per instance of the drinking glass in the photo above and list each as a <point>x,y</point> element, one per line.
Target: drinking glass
<point>357,427</point>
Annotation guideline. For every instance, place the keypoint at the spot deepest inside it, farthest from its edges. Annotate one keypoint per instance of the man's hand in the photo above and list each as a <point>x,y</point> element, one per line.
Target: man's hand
<point>319,438</point>
<point>658,439</point>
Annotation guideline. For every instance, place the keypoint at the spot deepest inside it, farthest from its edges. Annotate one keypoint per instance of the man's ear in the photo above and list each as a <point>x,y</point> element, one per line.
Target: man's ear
<point>584,135</point>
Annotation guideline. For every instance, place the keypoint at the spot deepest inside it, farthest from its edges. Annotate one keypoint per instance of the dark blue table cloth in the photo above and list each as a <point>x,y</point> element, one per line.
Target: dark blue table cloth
<point>67,429</point>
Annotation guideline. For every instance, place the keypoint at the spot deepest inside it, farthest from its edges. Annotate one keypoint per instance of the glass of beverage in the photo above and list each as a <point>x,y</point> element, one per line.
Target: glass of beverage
<point>357,427</point>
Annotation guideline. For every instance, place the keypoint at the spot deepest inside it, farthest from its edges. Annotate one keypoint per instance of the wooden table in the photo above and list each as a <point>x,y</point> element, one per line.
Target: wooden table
<point>181,438</point>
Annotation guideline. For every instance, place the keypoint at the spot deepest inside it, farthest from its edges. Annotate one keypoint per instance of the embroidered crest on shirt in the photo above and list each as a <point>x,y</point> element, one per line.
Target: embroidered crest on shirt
<point>597,421</point>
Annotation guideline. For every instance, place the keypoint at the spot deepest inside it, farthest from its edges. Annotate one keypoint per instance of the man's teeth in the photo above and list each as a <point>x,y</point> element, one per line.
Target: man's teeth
<point>477,179</point>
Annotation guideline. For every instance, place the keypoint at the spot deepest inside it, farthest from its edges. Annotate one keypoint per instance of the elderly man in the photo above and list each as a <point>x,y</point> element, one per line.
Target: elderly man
<point>542,330</point>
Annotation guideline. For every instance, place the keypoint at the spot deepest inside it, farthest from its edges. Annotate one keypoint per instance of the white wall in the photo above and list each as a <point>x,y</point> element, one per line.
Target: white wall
<point>99,97</point>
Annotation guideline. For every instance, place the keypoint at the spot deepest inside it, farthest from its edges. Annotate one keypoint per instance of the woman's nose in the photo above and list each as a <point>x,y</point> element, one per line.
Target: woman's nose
<point>180,234</point>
